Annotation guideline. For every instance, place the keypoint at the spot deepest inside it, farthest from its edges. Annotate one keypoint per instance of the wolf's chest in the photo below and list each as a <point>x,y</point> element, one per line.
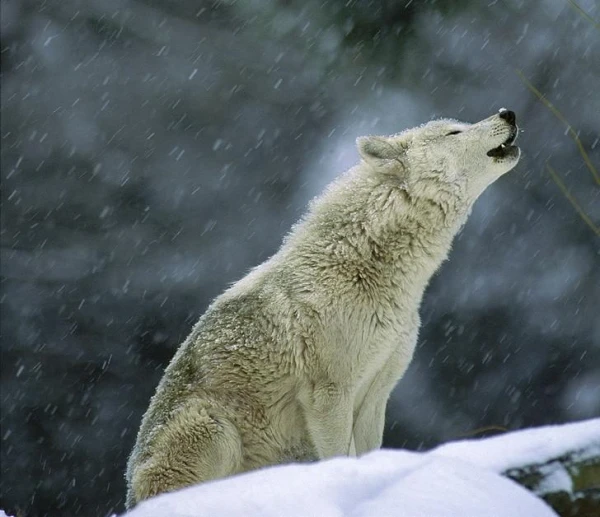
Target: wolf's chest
<point>374,338</point>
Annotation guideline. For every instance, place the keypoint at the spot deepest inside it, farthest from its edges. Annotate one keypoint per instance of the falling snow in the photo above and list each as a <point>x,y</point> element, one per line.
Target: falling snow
<point>150,155</point>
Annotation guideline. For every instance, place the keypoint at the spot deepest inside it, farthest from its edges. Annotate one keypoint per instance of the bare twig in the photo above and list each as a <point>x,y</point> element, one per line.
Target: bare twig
<point>572,200</point>
<point>561,117</point>
<point>576,6</point>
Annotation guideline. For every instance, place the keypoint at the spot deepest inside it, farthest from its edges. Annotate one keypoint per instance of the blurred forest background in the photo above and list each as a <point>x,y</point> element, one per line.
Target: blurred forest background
<point>153,151</point>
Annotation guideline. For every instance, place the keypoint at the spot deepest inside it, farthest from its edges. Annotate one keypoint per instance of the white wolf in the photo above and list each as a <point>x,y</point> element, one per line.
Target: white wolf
<point>296,361</point>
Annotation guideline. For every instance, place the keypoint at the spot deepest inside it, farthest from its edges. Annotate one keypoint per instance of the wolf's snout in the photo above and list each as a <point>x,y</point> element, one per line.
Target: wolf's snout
<point>506,149</point>
<point>509,116</point>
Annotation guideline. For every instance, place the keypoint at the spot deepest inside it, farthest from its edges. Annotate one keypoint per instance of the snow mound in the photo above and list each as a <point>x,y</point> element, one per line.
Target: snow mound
<point>383,483</point>
<point>457,479</point>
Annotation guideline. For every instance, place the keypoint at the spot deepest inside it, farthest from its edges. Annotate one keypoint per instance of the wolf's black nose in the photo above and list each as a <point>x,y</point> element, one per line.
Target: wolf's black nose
<point>509,116</point>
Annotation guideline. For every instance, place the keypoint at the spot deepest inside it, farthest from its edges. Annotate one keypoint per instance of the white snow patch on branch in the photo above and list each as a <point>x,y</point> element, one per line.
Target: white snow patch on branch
<point>528,447</point>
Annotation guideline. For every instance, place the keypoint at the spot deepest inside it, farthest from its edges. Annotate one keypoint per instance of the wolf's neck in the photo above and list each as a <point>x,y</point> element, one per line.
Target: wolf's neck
<point>417,238</point>
<point>375,240</point>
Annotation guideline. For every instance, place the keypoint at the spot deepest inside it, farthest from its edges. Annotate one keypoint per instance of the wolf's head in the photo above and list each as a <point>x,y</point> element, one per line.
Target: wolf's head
<point>446,156</point>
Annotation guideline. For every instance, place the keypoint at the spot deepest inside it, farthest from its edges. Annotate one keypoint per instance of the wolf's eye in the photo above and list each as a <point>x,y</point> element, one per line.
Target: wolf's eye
<point>455,132</point>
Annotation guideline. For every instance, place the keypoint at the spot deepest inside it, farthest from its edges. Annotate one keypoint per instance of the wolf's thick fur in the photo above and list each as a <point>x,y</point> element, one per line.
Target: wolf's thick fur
<point>296,361</point>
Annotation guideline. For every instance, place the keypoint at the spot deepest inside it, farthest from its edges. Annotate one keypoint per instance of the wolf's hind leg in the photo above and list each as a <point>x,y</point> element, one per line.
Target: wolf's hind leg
<point>193,447</point>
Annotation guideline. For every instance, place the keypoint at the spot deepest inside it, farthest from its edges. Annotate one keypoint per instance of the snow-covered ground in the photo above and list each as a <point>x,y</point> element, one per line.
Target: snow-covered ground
<point>380,484</point>
<point>457,479</point>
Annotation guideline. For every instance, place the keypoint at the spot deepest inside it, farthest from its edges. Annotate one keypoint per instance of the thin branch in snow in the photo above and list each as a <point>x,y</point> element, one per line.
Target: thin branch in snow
<point>578,8</point>
<point>572,200</point>
<point>561,117</point>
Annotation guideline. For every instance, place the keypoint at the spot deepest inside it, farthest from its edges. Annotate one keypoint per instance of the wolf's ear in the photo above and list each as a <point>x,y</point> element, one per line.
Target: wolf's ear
<point>376,148</point>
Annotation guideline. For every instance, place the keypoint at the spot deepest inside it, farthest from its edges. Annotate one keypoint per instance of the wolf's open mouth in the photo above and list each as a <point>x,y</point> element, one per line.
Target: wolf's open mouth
<point>505,148</point>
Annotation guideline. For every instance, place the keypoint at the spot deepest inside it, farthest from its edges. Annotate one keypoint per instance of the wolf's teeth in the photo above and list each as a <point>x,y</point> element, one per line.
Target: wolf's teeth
<point>503,146</point>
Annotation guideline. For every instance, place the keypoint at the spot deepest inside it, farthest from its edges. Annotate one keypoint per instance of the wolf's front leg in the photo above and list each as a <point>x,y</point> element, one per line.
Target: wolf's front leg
<point>328,413</point>
<point>369,424</point>
<point>369,419</point>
